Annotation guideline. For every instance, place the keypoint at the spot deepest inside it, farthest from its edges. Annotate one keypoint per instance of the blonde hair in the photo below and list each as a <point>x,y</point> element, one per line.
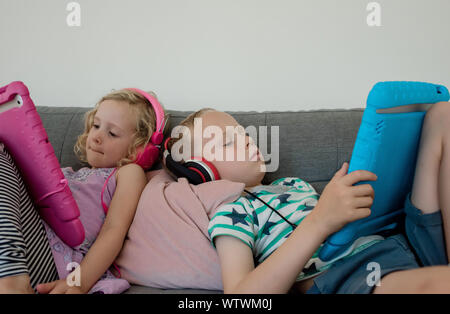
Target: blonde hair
<point>145,123</point>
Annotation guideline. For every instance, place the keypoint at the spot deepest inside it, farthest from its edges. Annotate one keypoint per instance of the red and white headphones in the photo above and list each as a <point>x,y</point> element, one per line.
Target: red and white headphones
<point>196,170</point>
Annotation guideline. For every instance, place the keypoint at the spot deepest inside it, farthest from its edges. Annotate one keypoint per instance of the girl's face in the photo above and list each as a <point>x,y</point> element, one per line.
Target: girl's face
<point>111,134</point>
<point>246,166</point>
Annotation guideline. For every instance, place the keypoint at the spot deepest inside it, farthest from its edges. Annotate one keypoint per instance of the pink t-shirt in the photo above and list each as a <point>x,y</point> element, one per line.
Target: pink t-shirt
<point>168,244</point>
<point>86,185</point>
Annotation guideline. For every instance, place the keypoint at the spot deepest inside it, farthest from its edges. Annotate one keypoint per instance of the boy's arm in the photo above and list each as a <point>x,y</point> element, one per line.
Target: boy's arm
<point>278,272</point>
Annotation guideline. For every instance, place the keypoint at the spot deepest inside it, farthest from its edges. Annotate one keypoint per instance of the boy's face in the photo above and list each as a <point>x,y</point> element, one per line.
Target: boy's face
<point>239,159</point>
<point>111,134</point>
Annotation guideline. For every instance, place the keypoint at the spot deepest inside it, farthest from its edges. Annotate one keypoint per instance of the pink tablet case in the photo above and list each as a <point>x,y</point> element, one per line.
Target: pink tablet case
<point>22,132</point>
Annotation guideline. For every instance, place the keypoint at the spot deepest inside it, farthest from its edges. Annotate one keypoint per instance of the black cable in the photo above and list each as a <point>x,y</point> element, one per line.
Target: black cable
<point>284,218</point>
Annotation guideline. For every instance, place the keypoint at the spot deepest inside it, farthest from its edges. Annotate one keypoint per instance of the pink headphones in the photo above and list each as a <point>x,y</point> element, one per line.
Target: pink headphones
<point>148,155</point>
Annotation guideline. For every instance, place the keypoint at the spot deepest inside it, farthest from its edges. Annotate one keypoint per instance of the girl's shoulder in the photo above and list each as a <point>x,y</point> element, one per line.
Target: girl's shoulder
<point>129,172</point>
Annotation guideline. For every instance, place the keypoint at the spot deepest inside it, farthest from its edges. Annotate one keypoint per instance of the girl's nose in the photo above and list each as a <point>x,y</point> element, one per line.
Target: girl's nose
<point>97,138</point>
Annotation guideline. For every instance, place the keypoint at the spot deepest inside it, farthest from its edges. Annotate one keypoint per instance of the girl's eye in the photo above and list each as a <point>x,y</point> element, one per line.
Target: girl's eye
<point>96,126</point>
<point>112,134</point>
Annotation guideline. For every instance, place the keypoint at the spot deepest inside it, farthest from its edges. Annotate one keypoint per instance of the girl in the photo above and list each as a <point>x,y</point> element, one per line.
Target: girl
<point>268,239</point>
<point>120,124</point>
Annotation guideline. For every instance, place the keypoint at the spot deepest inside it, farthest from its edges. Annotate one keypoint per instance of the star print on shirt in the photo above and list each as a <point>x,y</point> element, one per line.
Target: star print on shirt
<point>255,218</point>
<point>250,197</point>
<point>283,198</point>
<point>289,233</point>
<point>267,226</point>
<point>237,218</point>
<point>291,183</point>
<point>310,269</point>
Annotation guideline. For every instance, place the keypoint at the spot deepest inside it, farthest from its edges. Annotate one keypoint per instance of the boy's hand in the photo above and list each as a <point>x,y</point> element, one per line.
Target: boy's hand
<point>341,202</point>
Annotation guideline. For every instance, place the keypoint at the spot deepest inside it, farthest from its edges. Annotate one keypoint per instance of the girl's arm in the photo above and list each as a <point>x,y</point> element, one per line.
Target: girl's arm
<point>131,181</point>
<point>278,272</point>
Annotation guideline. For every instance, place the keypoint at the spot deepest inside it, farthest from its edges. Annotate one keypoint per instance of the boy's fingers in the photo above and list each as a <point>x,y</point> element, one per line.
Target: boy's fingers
<point>358,176</point>
<point>361,213</point>
<point>342,171</point>
<point>363,202</point>
<point>363,190</point>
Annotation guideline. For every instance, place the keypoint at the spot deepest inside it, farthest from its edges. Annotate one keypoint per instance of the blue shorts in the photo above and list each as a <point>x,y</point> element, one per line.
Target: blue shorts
<point>421,244</point>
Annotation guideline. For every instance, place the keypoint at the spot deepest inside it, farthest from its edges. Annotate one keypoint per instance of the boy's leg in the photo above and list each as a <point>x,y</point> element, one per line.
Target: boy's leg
<point>431,187</point>
<point>425,192</point>
<point>434,279</point>
<point>25,255</point>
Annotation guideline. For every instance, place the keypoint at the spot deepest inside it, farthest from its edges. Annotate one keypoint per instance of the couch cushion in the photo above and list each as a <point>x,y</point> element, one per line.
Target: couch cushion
<point>63,125</point>
<point>314,144</point>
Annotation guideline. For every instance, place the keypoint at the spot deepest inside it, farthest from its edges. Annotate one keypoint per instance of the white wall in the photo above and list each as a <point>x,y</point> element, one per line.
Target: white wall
<point>228,54</point>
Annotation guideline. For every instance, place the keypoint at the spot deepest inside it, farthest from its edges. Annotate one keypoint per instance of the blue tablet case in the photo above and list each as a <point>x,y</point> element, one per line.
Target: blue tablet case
<point>387,145</point>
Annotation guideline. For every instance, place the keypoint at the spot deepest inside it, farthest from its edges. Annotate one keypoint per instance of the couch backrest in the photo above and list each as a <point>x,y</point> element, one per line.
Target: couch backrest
<point>313,144</point>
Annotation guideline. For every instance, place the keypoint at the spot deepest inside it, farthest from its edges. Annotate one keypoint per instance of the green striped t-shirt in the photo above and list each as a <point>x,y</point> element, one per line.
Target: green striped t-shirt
<point>249,220</point>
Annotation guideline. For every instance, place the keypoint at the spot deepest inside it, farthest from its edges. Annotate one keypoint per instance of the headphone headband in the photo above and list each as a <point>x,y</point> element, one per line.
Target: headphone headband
<point>157,136</point>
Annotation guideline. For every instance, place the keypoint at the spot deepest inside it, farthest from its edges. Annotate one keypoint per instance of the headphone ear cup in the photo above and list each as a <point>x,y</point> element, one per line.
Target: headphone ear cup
<point>195,171</point>
<point>199,169</point>
<point>147,156</point>
<point>204,168</point>
<point>180,171</point>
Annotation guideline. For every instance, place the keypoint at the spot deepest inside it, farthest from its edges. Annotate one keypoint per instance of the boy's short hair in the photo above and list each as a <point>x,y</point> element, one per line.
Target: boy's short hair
<point>188,122</point>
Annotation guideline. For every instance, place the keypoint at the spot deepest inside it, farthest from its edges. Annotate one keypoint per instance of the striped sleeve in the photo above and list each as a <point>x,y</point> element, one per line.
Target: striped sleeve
<point>233,219</point>
<point>295,183</point>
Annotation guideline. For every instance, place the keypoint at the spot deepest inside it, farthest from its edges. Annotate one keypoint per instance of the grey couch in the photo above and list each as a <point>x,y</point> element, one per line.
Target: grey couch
<point>313,144</point>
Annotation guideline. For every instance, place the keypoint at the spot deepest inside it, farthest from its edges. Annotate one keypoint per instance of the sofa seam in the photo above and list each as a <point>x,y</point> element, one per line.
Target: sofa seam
<point>65,136</point>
